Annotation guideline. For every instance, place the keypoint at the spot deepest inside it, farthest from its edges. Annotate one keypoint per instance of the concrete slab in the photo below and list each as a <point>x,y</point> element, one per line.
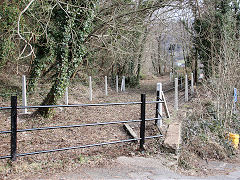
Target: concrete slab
<point>173,137</point>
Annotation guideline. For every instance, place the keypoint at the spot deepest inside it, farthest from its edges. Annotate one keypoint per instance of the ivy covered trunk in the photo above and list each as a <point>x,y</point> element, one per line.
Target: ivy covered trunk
<point>62,51</point>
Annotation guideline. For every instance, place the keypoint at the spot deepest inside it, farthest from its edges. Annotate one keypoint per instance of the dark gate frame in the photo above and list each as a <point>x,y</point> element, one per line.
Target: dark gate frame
<point>14,130</point>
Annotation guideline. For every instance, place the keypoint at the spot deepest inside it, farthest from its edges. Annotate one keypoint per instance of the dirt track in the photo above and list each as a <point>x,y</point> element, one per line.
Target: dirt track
<point>98,159</point>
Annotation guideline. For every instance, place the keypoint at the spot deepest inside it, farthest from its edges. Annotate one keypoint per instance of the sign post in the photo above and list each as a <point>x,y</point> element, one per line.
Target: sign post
<point>234,100</point>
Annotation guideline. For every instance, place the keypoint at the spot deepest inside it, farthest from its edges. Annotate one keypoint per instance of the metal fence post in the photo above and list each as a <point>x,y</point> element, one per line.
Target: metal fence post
<point>176,94</point>
<point>13,127</point>
<point>142,125</point>
<point>158,122</point>
<point>186,88</point>
<point>24,93</point>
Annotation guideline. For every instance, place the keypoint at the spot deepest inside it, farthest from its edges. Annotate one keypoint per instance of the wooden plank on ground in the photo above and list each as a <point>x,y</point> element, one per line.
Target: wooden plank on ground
<point>130,131</point>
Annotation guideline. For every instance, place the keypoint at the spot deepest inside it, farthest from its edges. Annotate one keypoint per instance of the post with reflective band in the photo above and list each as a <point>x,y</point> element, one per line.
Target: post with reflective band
<point>142,126</point>
<point>159,111</point>
<point>13,127</point>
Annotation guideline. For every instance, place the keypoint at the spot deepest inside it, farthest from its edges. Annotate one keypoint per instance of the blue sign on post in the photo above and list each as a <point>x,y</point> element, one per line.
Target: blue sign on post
<point>235,95</point>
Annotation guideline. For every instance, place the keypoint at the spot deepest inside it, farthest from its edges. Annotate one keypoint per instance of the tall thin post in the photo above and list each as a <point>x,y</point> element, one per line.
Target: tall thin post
<point>176,94</point>
<point>186,88</point>
<point>171,78</point>
<point>13,128</point>
<point>142,125</point>
<point>90,88</point>
<point>106,86</point>
<point>159,111</point>
<point>24,93</point>
<point>192,82</point>
<point>66,96</point>
<point>124,85</point>
<point>117,83</point>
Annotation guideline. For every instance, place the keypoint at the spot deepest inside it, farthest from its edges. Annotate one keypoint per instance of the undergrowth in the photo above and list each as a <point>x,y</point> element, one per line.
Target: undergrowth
<point>205,136</point>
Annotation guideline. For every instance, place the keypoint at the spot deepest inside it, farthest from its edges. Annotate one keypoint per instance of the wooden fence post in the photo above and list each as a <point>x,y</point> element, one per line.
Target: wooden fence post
<point>186,88</point>
<point>106,86</point>
<point>90,88</point>
<point>123,84</point>
<point>176,94</point>
<point>24,94</point>
<point>192,82</point>
<point>171,78</point>
<point>66,96</point>
<point>117,83</point>
<point>159,111</point>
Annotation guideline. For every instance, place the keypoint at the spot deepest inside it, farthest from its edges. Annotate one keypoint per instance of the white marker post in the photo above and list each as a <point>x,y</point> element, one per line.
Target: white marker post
<point>66,96</point>
<point>192,82</point>
<point>186,88</point>
<point>90,88</point>
<point>117,83</point>
<point>176,95</point>
<point>171,77</point>
<point>159,111</point>
<point>124,84</point>
<point>24,93</point>
<point>106,89</point>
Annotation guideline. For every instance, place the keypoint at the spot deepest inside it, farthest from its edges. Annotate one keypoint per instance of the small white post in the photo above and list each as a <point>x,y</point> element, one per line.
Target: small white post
<point>124,84</point>
<point>66,96</point>
<point>24,93</point>
<point>90,88</point>
<point>117,83</point>
<point>186,88</point>
<point>106,86</point>
<point>170,76</point>
<point>192,81</point>
<point>176,94</point>
<point>159,112</point>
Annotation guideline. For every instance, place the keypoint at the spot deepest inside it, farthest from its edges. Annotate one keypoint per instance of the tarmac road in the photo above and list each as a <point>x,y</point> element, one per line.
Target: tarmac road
<point>146,168</point>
